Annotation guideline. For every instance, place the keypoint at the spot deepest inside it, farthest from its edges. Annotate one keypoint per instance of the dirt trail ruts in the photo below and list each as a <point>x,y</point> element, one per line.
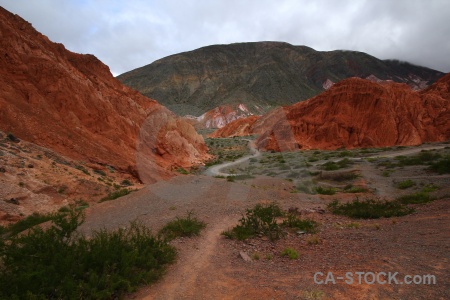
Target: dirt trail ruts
<point>181,280</point>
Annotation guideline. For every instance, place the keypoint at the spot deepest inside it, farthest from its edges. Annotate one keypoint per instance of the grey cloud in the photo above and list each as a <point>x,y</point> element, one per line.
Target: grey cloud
<point>130,34</point>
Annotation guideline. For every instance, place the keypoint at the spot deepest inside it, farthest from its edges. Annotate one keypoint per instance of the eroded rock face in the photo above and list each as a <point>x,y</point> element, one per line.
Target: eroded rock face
<point>72,104</point>
<point>239,127</point>
<point>220,116</point>
<point>356,113</point>
<point>359,113</point>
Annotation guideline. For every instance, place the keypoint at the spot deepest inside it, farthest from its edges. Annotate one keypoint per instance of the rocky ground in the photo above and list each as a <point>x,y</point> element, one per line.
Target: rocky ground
<point>213,267</point>
<point>36,179</point>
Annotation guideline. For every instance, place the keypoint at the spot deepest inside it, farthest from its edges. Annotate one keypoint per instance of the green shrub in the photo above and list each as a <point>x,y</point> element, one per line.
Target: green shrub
<point>29,222</point>
<point>290,252</point>
<point>115,195</point>
<point>294,222</point>
<point>416,198</point>
<point>332,166</point>
<point>354,189</point>
<point>126,182</point>
<point>325,190</point>
<point>406,184</point>
<point>369,209</point>
<point>58,263</point>
<point>442,166</point>
<point>100,172</point>
<point>182,227</point>
<point>259,220</point>
<point>424,157</point>
<point>182,171</point>
<point>82,169</point>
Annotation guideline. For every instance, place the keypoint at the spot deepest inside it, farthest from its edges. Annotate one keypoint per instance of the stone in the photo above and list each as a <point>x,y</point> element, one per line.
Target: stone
<point>245,256</point>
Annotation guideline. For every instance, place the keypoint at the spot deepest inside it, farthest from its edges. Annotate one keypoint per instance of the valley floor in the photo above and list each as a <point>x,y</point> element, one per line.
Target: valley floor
<point>210,266</point>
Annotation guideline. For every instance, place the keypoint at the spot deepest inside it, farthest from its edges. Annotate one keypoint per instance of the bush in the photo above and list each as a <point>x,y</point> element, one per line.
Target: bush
<point>416,198</point>
<point>294,222</point>
<point>180,227</point>
<point>115,195</point>
<point>424,157</point>
<point>259,220</point>
<point>369,209</point>
<point>12,137</point>
<point>325,191</point>
<point>442,166</point>
<point>58,263</point>
<point>290,252</point>
<point>332,166</point>
<point>125,182</point>
<point>182,171</point>
<point>29,222</point>
<point>354,189</point>
<point>406,184</point>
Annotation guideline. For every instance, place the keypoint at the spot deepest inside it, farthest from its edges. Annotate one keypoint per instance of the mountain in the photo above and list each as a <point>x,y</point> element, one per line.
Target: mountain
<point>354,113</point>
<point>260,75</point>
<point>71,103</point>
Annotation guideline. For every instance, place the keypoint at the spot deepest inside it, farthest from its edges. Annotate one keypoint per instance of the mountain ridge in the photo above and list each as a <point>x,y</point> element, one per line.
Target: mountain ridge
<point>260,74</point>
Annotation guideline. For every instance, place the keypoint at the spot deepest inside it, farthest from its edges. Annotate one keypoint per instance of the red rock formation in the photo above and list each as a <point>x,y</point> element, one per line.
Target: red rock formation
<point>220,116</point>
<point>239,127</point>
<point>359,113</point>
<point>72,104</point>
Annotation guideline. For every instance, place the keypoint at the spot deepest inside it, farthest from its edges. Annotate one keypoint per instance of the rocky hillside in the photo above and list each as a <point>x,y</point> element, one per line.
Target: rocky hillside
<point>260,75</point>
<point>355,113</point>
<point>219,116</point>
<point>71,103</point>
<point>239,127</point>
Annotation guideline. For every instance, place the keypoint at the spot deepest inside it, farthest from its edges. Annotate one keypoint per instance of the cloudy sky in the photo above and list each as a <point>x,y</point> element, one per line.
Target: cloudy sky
<point>132,33</point>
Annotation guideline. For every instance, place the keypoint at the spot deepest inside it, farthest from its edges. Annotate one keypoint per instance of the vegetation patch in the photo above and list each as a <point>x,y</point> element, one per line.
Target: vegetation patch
<point>442,166</point>
<point>290,252</point>
<point>416,198</point>
<point>182,227</point>
<point>325,190</point>
<point>59,263</point>
<point>259,220</point>
<point>369,209</point>
<point>354,189</point>
<point>115,195</point>
<point>406,184</point>
<point>424,157</point>
<point>332,166</point>
<point>262,220</point>
<point>296,223</point>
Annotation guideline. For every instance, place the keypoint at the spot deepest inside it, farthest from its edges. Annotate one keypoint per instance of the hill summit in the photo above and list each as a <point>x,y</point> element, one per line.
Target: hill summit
<point>260,75</point>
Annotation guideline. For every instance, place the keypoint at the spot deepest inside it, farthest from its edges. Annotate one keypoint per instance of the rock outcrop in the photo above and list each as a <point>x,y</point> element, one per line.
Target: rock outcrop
<point>72,104</point>
<point>261,74</point>
<point>219,116</point>
<point>240,127</point>
<point>357,113</point>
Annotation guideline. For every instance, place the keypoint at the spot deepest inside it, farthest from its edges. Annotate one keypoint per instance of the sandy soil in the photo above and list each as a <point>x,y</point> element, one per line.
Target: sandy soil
<point>210,267</point>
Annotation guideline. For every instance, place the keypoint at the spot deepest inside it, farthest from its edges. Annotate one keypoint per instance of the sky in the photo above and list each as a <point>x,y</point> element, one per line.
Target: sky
<point>129,34</point>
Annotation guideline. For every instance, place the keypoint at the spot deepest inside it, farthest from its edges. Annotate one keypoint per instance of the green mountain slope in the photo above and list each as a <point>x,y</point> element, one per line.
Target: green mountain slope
<point>261,75</point>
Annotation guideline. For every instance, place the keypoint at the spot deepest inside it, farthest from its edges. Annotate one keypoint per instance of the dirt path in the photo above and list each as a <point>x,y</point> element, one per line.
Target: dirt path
<point>181,281</point>
<point>215,170</point>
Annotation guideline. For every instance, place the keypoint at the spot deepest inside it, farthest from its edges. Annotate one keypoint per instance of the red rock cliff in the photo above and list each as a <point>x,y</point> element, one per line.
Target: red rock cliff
<point>72,104</point>
<point>359,113</point>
